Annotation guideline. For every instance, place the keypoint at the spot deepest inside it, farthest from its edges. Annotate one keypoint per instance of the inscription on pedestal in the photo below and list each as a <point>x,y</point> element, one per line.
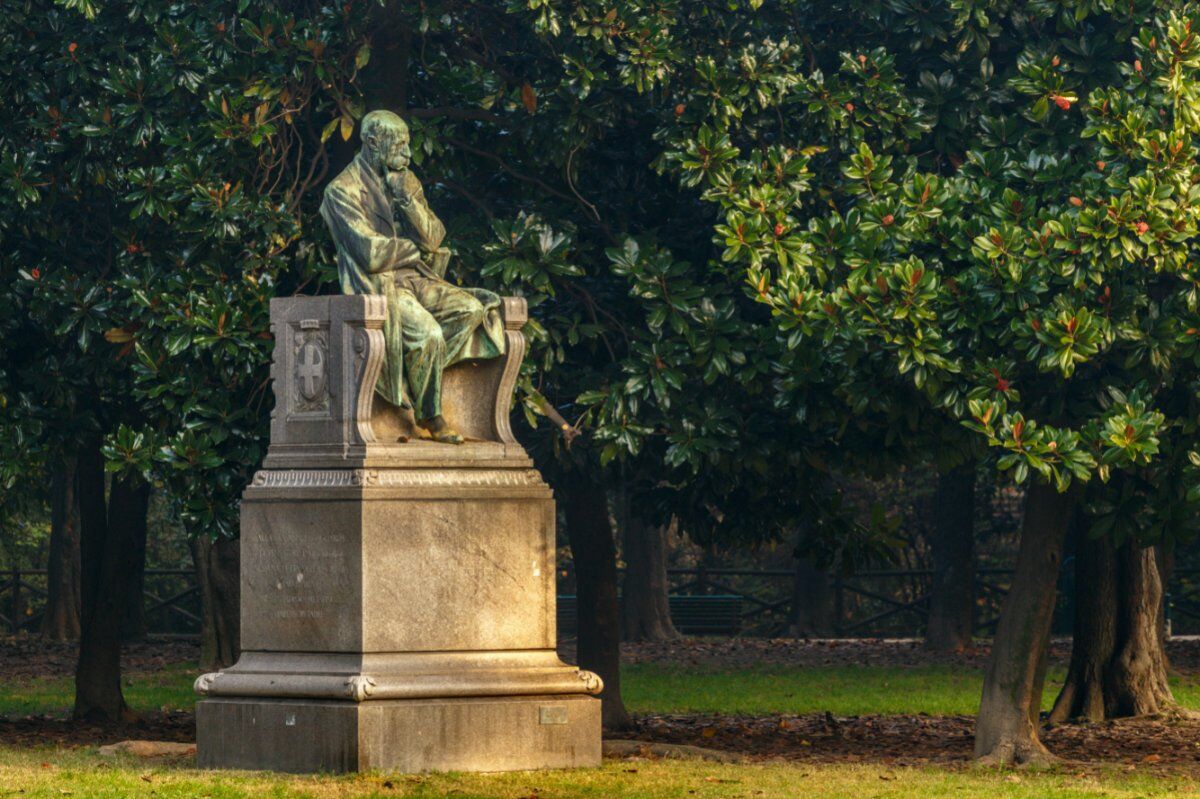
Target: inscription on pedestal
<point>301,593</point>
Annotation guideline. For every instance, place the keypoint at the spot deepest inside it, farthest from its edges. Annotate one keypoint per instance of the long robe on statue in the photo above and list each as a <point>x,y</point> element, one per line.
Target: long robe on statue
<point>395,251</point>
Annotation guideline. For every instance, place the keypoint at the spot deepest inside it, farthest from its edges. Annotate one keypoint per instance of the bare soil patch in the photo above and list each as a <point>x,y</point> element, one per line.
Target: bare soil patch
<point>28,656</point>
<point>917,739</point>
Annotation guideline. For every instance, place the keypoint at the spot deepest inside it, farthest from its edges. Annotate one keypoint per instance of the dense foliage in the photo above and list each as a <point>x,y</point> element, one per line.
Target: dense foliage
<point>760,244</point>
<point>987,208</point>
<point>162,164</point>
<point>154,169</point>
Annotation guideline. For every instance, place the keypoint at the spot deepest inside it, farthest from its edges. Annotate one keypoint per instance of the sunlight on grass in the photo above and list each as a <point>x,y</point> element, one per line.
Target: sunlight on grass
<point>81,774</point>
<point>842,690</point>
<point>655,688</point>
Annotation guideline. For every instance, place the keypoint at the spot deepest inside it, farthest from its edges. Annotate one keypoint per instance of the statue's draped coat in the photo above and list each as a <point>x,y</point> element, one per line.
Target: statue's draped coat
<point>396,253</point>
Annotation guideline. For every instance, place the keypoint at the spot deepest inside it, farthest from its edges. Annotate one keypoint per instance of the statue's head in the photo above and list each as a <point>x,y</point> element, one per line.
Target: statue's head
<point>385,141</point>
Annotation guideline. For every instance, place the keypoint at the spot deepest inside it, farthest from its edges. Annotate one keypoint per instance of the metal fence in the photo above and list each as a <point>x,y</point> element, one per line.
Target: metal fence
<point>890,603</point>
<point>870,604</point>
<point>171,601</point>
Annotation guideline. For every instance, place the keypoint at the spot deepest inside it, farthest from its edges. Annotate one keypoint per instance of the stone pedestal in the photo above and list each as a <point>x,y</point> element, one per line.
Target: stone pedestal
<point>397,598</point>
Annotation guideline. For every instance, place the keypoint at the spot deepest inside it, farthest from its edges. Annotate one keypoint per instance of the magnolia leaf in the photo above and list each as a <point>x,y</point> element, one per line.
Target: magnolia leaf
<point>117,335</point>
<point>328,130</point>
<point>528,98</point>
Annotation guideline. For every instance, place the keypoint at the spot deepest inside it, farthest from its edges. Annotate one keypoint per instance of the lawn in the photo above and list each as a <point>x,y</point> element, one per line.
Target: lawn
<point>655,688</point>
<point>841,690</point>
<point>649,688</point>
<point>169,688</point>
<point>82,774</point>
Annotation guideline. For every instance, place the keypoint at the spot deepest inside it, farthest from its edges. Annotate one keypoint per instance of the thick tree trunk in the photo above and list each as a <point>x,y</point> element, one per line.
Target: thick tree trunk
<point>1007,728</point>
<point>813,608</point>
<point>218,574</point>
<point>594,553</point>
<point>1138,680</point>
<point>61,619</point>
<point>645,610</point>
<point>1095,632</point>
<point>133,620</point>
<point>386,74</point>
<point>952,595</point>
<point>1118,663</point>
<point>107,545</point>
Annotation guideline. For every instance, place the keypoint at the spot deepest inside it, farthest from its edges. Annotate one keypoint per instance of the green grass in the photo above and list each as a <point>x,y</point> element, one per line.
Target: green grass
<point>842,690</point>
<point>81,774</point>
<point>168,688</point>
<point>652,688</point>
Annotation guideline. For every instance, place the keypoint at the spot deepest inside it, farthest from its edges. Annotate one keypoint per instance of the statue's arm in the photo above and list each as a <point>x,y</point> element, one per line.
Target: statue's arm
<point>424,222</point>
<point>353,233</point>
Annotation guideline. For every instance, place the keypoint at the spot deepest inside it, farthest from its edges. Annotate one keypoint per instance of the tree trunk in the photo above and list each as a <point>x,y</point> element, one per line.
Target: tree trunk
<point>594,553</point>
<point>645,609</point>
<point>1118,663</point>
<point>1095,632</point>
<point>385,77</point>
<point>952,595</point>
<point>1007,728</point>
<point>218,574</point>
<point>133,620</point>
<point>1138,680</point>
<point>812,601</point>
<point>107,543</point>
<point>61,619</point>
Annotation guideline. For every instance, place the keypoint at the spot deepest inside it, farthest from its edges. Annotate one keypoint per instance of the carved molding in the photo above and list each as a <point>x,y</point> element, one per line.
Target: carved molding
<point>204,682</point>
<point>516,314</point>
<point>359,687</point>
<point>592,683</point>
<point>364,347</point>
<point>387,478</point>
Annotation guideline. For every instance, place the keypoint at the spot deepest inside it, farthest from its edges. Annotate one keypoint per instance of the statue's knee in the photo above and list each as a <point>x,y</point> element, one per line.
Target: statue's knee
<point>434,338</point>
<point>476,309</point>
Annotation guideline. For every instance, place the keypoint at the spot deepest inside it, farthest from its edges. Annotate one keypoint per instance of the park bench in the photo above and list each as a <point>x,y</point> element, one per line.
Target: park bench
<point>717,614</point>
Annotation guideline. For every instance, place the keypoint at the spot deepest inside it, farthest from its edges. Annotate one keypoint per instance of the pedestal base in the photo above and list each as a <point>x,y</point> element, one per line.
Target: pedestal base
<point>469,734</point>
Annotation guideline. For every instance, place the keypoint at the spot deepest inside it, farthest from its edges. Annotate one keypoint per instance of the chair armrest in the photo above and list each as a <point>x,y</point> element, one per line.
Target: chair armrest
<point>515,313</point>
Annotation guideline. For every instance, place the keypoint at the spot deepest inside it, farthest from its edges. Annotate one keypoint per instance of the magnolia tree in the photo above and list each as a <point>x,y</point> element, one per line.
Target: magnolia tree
<point>155,160</point>
<point>1005,213</point>
<point>161,169</point>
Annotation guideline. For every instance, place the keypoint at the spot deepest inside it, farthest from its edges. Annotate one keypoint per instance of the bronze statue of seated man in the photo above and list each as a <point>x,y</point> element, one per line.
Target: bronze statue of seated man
<point>389,243</point>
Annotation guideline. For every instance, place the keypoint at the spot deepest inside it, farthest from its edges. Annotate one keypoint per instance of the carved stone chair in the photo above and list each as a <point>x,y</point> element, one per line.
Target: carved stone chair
<point>476,395</point>
<point>326,409</point>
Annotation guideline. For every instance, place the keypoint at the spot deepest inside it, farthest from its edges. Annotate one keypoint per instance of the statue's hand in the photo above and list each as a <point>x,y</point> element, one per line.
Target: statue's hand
<point>396,187</point>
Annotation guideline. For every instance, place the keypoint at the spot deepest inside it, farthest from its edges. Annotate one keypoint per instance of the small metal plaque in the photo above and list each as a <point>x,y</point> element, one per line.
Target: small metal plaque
<point>552,714</point>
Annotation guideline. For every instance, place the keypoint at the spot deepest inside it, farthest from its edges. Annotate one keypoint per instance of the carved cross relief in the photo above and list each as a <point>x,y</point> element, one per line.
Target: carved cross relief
<point>311,368</point>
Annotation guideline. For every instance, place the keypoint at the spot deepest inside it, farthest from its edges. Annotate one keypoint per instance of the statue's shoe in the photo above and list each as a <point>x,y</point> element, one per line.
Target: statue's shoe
<point>446,436</point>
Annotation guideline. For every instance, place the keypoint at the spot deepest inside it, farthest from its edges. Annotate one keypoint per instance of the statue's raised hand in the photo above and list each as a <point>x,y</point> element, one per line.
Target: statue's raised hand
<point>396,182</point>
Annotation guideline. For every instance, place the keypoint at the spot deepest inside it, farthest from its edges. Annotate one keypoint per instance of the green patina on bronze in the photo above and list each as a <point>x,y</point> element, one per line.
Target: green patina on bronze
<point>389,242</point>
